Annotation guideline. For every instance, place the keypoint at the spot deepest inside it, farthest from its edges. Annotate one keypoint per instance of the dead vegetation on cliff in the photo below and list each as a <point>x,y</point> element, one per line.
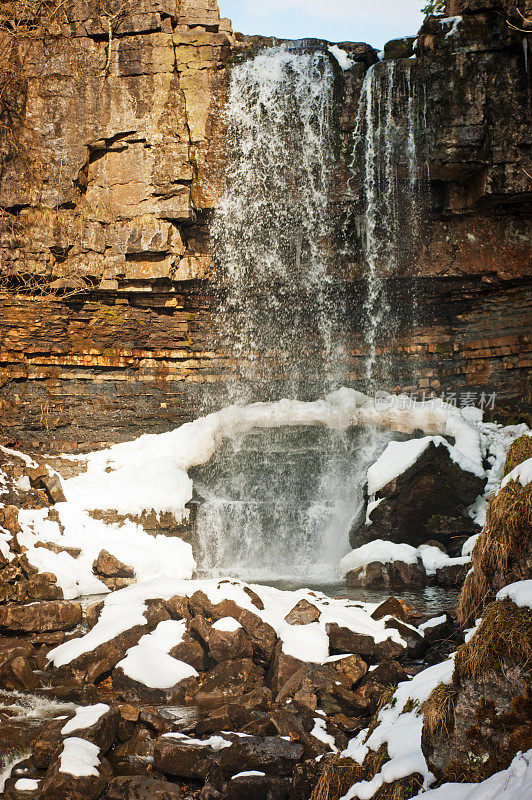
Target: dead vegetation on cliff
<point>503,550</point>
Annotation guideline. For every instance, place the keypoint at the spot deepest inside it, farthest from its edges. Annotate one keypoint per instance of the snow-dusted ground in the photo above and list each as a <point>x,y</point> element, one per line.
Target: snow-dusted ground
<point>125,609</point>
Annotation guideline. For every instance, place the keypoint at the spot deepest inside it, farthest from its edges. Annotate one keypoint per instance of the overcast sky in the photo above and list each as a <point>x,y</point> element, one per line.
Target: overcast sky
<point>373,21</point>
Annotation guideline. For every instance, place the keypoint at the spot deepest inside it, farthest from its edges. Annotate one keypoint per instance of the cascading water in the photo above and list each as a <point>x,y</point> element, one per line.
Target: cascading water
<point>280,504</point>
<point>281,318</point>
<point>389,155</point>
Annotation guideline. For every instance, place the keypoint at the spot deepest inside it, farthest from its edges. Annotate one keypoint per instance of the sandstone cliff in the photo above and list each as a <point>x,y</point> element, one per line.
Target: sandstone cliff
<point>110,177</point>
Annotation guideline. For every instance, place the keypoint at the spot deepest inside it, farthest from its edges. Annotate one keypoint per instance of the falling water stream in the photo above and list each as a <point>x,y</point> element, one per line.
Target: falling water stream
<point>279,505</point>
<point>389,154</point>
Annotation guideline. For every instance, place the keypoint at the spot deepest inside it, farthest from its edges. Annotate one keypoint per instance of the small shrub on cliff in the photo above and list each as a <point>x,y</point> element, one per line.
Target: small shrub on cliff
<point>504,635</point>
<point>434,7</point>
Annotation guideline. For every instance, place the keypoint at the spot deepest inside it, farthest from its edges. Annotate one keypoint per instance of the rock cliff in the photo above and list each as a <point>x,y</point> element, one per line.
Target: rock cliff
<point>114,163</point>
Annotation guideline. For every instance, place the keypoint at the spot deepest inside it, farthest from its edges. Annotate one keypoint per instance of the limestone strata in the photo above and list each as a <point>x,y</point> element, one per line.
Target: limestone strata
<point>119,167</point>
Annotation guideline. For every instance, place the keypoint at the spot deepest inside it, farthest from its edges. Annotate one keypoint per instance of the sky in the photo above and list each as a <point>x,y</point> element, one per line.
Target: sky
<point>372,21</point>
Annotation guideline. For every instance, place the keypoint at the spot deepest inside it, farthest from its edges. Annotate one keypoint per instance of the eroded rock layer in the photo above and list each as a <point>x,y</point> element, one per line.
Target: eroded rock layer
<point>116,164</point>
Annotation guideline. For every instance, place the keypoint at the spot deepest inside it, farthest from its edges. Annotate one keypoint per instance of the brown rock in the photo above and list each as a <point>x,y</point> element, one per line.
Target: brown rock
<point>228,681</point>
<point>391,607</point>
<point>452,575</point>
<point>38,617</point>
<point>191,652</point>
<point>303,613</point>
<point>182,758</point>
<point>229,645</point>
<point>282,667</point>
<point>109,566</point>
<point>137,787</point>
<point>269,754</point>
<point>59,785</point>
<point>344,640</point>
<point>43,587</point>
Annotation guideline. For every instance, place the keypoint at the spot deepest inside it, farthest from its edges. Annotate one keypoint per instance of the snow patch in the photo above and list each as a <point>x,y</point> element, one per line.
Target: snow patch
<point>341,56</point>
<point>85,718</point>
<point>519,593</point>
<point>79,758</point>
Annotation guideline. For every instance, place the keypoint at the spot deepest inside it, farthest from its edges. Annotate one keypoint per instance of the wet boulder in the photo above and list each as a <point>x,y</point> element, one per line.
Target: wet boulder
<point>257,785</point>
<point>394,574</point>
<point>438,629</point>
<point>182,757</point>
<point>96,723</point>
<point>269,754</point>
<point>228,641</point>
<point>228,681</point>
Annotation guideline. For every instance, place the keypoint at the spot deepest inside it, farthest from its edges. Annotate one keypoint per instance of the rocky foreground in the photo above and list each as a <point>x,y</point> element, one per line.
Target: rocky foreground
<point>177,688</point>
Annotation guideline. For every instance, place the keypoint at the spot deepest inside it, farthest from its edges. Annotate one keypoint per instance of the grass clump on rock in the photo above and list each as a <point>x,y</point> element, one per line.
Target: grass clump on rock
<point>503,552</point>
<point>504,635</point>
<point>520,450</point>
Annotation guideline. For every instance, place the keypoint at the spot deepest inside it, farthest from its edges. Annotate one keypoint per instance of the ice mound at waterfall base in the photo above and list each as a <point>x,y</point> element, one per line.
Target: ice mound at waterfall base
<point>150,475</point>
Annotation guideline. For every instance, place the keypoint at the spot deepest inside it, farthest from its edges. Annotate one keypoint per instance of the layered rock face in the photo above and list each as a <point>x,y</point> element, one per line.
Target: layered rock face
<point>108,193</point>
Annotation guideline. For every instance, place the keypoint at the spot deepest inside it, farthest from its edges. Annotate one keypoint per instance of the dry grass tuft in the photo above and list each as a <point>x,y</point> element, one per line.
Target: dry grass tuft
<point>498,557</point>
<point>504,635</point>
<point>438,709</point>
<point>340,774</point>
<point>520,450</point>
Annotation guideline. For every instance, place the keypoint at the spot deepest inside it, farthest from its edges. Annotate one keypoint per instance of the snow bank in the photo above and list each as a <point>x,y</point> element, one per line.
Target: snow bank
<point>150,473</point>
<point>79,758</point>
<point>150,556</point>
<point>519,593</point>
<point>514,783</point>
<point>387,552</point>
<point>401,732</point>
<point>149,661</point>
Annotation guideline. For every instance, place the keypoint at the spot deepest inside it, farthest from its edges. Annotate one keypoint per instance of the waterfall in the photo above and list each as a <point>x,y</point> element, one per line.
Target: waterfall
<point>280,504</point>
<point>388,153</point>
<point>272,229</point>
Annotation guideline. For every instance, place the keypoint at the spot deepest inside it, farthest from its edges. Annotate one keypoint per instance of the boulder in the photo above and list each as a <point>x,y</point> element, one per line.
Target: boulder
<point>229,645</point>
<point>256,787</point>
<point>228,681</point>
<point>391,607</point>
<point>344,640</point>
<point>282,667</point>
<point>415,641</point>
<point>452,575</point>
<point>57,615</point>
<point>89,666</point>
<point>396,574</point>
<point>303,613</point>
<point>433,487</point>
<point>137,787</point>
<point>108,566</point>
<point>438,629</point>
<point>190,652</point>
<point>181,757</point>
<point>101,733</point>
<point>61,785</point>
<point>327,686</point>
<point>270,754</point>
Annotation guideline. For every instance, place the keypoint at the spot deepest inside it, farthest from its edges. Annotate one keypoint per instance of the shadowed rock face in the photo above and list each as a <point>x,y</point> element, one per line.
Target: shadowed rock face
<point>426,501</point>
<point>126,149</point>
